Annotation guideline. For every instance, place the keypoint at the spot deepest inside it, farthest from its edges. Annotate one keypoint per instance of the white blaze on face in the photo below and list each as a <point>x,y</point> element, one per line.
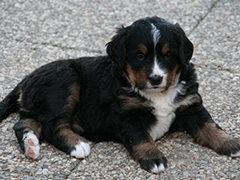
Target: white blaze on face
<point>157,70</point>
<point>156,35</point>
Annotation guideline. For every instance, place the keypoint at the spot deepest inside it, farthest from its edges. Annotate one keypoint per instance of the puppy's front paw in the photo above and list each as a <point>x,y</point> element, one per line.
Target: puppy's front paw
<point>81,150</point>
<point>237,154</point>
<point>157,165</point>
<point>150,158</point>
<point>230,147</point>
<point>235,151</point>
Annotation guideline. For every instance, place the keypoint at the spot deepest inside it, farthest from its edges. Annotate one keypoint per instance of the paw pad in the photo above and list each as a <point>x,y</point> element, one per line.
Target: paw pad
<point>31,145</point>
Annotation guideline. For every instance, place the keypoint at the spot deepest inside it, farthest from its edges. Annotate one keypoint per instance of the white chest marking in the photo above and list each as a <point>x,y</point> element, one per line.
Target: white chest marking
<point>164,108</point>
<point>164,112</point>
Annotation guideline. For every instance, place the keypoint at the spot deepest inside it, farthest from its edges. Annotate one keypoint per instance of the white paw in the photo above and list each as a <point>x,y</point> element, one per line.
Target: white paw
<point>236,154</point>
<point>158,168</point>
<point>81,150</point>
<point>31,144</point>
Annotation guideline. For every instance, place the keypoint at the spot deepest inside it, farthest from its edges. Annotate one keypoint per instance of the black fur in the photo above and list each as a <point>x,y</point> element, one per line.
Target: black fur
<point>9,105</point>
<point>106,98</point>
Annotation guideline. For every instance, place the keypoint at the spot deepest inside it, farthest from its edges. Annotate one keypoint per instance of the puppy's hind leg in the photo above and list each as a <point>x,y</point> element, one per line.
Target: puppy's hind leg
<point>62,137</point>
<point>28,132</point>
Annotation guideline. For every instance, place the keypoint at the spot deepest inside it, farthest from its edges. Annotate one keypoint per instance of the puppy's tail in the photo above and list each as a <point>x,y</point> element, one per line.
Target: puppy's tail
<point>9,104</point>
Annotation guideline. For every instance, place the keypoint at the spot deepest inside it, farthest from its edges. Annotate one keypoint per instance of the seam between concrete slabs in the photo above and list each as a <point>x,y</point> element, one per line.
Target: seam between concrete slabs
<point>203,17</point>
<point>79,161</point>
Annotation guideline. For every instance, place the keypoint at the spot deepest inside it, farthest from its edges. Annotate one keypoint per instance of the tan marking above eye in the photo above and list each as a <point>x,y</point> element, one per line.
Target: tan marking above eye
<point>143,49</point>
<point>165,49</point>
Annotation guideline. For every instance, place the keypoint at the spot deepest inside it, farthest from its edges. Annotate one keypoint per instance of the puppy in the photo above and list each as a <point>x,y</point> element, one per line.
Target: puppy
<point>144,87</point>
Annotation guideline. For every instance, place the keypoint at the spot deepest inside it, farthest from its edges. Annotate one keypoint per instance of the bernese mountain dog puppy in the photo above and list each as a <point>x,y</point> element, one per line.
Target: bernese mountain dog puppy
<point>143,88</point>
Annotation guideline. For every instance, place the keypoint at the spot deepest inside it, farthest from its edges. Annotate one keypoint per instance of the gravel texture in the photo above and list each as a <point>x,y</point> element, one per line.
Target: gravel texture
<point>33,33</point>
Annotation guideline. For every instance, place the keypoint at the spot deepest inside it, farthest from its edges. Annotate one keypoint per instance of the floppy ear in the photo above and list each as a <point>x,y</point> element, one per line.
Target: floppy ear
<point>116,48</point>
<point>185,47</point>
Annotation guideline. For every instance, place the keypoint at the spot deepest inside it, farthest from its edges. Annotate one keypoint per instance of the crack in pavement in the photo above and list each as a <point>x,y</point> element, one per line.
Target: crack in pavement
<point>75,167</point>
<point>203,17</point>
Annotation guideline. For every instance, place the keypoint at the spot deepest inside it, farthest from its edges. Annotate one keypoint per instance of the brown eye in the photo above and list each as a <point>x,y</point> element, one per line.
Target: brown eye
<point>168,56</point>
<point>140,57</point>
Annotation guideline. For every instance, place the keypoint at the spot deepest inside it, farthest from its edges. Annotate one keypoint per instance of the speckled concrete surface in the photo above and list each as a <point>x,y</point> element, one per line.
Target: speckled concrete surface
<point>34,33</point>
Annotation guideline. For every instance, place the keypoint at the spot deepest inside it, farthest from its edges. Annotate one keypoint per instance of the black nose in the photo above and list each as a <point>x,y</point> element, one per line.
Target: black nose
<point>155,79</point>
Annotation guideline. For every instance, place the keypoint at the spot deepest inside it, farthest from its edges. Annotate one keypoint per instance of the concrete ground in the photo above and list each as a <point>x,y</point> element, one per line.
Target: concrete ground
<point>33,33</point>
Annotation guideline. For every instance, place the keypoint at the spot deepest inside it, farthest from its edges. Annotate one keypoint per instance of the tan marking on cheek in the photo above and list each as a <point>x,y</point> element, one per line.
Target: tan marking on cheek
<point>172,75</point>
<point>131,74</point>
<point>165,49</point>
<point>141,76</point>
<point>143,49</point>
<point>138,77</point>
